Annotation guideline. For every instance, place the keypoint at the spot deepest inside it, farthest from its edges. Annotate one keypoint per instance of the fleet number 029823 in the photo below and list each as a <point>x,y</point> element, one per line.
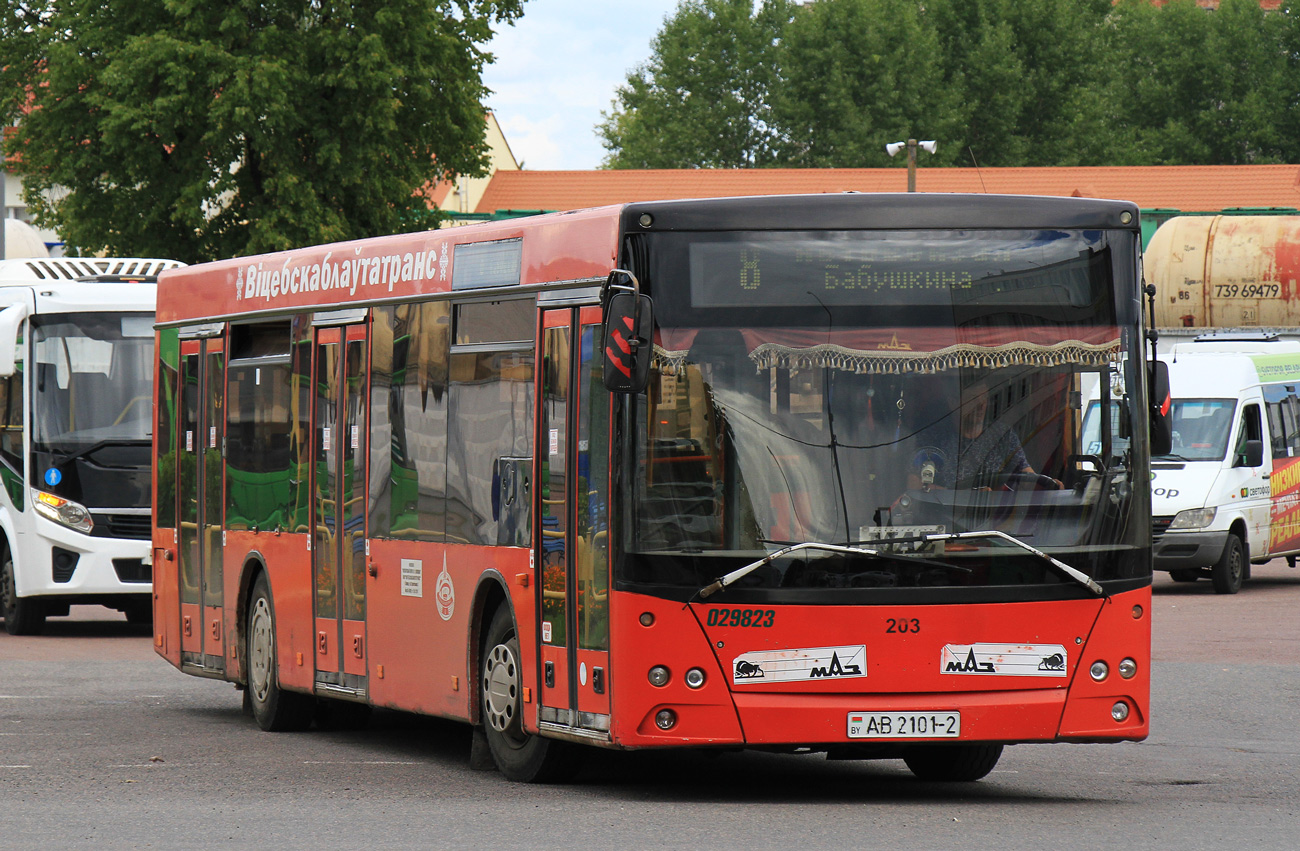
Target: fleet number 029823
<point>904,725</point>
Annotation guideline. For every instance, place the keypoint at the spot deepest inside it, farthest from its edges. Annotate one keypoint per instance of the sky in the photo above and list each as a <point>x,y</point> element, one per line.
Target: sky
<point>556,70</point>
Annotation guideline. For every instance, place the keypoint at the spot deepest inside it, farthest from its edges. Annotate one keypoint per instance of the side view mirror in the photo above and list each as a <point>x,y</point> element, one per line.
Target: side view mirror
<point>1252,454</point>
<point>11,320</point>
<point>629,324</point>
<point>1162,403</point>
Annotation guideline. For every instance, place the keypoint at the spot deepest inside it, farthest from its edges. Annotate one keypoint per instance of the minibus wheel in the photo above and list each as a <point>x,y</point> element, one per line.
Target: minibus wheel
<point>22,616</point>
<point>952,763</point>
<point>519,755</point>
<point>1229,572</point>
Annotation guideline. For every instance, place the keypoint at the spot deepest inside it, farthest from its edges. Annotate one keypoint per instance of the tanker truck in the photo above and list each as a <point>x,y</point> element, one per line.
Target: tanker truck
<point>1227,275</point>
<point>1227,311</point>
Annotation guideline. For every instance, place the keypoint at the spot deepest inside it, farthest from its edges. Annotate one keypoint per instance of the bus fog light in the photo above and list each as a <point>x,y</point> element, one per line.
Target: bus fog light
<point>1119,711</point>
<point>659,676</point>
<point>695,678</point>
<point>647,619</point>
<point>1099,670</point>
<point>1128,669</point>
<point>665,719</point>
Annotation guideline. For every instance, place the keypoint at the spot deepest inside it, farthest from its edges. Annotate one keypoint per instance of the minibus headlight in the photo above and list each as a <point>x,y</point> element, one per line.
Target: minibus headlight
<point>1193,518</point>
<point>65,512</point>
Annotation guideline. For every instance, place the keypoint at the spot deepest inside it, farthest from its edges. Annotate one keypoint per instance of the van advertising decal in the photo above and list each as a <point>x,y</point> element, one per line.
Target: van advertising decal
<point>1284,515</point>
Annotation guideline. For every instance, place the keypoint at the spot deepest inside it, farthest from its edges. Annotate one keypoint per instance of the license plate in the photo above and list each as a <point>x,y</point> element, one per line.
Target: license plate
<point>904,725</point>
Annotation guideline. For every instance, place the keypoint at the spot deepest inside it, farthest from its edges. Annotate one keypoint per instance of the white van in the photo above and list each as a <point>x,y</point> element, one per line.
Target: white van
<point>1228,493</point>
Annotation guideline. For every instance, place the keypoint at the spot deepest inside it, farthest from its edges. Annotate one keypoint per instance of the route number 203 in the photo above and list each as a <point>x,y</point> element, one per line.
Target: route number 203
<point>898,625</point>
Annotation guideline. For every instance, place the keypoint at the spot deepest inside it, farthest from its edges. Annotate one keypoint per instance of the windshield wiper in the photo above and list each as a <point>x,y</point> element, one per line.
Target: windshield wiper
<point>103,444</point>
<point>741,572</point>
<point>1060,567</point>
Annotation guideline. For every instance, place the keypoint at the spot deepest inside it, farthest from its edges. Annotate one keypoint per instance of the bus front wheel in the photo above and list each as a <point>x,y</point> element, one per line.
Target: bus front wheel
<point>519,755</point>
<point>22,616</point>
<point>952,763</point>
<point>273,708</point>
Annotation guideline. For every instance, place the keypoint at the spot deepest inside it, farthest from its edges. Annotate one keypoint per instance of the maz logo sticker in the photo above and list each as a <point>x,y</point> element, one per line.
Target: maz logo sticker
<point>803,665</point>
<point>1006,660</point>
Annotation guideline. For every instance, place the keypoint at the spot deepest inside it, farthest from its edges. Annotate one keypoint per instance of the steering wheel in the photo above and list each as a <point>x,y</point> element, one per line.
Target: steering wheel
<point>1012,481</point>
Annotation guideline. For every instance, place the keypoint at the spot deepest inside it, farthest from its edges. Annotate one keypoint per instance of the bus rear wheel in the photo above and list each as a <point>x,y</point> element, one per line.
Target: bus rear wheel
<point>952,763</point>
<point>519,755</point>
<point>274,709</point>
<point>22,616</point>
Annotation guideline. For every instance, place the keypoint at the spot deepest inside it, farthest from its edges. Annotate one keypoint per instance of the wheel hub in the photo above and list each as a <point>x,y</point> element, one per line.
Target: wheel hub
<point>259,650</point>
<point>501,688</point>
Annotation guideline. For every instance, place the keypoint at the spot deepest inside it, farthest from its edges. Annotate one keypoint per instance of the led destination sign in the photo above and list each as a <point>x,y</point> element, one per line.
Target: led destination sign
<point>917,268</point>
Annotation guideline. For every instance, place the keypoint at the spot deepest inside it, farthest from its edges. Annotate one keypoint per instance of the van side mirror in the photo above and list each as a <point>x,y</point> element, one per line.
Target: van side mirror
<point>629,324</point>
<point>1252,454</point>
<point>11,320</point>
<point>1161,434</point>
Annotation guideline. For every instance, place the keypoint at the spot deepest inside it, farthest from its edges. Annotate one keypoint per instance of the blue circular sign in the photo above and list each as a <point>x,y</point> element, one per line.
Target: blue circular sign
<point>53,477</point>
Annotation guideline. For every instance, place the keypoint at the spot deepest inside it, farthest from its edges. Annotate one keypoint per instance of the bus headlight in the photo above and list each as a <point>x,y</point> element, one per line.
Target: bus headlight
<point>1193,518</point>
<point>65,512</point>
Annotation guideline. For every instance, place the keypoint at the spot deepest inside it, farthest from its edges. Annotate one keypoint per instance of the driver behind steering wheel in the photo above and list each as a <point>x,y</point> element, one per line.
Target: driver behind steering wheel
<point>973,452</point>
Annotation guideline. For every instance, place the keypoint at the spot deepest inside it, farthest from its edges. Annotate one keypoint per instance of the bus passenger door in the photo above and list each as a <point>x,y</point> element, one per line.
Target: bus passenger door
<point>201,493</point>
<point>572,547</point>
<point>338,508</point>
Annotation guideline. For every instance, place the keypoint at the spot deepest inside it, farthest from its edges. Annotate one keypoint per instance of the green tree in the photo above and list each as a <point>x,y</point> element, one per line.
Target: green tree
<point>702,99</point>
<point>1028,72</point>
<point>1193,87</point>
<point>198,130</point>
<point>857,75</point>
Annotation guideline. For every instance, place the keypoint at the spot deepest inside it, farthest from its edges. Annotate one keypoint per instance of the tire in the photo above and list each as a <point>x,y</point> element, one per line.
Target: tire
<point>520,756</point>
<point>1188,575</point>
<point>23,616</point>
<point>952,763</point>
<point>274,709</point>
<point>1230,570</point>
<point>139,613</point>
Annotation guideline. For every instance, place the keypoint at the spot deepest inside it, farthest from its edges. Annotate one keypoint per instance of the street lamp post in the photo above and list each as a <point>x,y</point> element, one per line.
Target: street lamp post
<point>894,147</point>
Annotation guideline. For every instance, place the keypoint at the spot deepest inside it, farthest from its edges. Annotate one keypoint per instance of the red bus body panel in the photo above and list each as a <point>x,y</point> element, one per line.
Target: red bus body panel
<point>166,596</point>
<point>903,671</point>
<point>567,247</point>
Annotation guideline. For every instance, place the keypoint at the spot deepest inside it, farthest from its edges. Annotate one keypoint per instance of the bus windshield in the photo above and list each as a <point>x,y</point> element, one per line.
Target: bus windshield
<point>871,389</point>
<point>92,381</point>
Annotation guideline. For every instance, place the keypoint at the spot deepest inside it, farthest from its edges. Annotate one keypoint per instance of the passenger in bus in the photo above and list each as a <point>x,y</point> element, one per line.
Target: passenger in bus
<point>963,449</point>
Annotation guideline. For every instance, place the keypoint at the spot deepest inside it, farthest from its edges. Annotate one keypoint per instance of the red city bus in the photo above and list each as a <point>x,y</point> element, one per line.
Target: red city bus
<point>778,472</point>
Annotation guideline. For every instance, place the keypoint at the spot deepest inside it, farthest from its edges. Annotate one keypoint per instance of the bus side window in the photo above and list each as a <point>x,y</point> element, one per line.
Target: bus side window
<point>1291,448</point>
<point>11,420</point>
<point>1278,432</point>
<point>1251,429</point>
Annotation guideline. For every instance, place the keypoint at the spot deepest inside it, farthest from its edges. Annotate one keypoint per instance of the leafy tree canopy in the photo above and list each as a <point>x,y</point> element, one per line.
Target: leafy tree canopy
<point>997,82</point>
<point>197,130</point>
<point>701,101</point>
